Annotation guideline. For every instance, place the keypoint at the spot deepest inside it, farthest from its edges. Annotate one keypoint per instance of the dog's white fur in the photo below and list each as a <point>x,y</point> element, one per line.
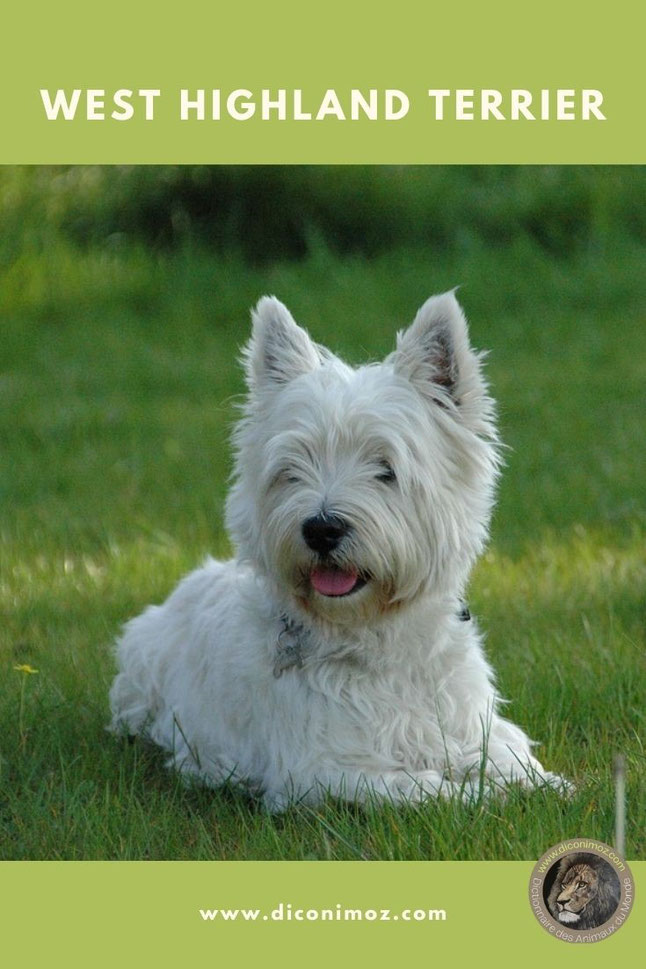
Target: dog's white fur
<point>248,673</point>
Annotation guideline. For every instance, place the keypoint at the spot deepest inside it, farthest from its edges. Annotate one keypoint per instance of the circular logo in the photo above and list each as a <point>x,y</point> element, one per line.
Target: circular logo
<point>581,891</point>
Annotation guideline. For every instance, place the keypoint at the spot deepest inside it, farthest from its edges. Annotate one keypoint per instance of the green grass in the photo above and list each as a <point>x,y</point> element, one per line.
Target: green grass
<point>117,388</point>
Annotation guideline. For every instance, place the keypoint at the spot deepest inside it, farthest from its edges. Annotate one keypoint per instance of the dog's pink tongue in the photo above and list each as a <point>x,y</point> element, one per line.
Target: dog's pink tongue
<point>333,582</point>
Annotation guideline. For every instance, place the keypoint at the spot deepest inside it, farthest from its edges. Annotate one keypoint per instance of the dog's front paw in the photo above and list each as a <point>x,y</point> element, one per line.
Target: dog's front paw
<point>541,780</point>
<point>422,786</point>
<point>555,782</point>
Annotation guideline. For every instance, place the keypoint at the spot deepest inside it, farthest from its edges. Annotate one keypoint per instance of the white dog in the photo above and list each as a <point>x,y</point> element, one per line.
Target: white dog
<point>334,653</point>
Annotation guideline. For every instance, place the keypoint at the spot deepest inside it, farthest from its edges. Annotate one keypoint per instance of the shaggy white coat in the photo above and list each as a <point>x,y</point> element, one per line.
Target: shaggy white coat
<point>247,673</point>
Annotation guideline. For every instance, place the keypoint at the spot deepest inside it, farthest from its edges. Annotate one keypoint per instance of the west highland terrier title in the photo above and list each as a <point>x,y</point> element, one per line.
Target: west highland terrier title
<point>334,655</point>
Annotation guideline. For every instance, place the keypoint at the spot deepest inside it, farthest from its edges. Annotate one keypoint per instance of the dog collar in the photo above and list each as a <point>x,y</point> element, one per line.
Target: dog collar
<point>463,612</point>
<point>289,646</point>
<point>292,636</point>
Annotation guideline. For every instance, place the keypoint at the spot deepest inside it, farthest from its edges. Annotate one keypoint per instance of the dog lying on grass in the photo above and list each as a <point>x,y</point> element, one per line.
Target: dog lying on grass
<point>333,654</point>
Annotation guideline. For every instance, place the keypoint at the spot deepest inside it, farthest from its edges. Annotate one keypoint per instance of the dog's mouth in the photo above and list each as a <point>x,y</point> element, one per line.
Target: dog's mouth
<point>335,582</point>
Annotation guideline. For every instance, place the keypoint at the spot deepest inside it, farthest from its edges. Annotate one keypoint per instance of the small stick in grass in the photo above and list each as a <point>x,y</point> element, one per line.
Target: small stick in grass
<point>620,804</point>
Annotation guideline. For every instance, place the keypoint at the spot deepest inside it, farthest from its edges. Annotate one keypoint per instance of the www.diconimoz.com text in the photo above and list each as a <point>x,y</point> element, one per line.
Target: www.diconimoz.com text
<point>286,912</point>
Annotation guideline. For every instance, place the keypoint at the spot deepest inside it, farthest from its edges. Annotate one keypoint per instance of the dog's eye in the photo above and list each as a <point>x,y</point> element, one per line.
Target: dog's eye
<point>386,472</point>
<point>284,476</point>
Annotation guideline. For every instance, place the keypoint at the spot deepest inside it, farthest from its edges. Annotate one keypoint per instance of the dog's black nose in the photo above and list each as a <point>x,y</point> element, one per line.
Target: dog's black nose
<point>324,532</point>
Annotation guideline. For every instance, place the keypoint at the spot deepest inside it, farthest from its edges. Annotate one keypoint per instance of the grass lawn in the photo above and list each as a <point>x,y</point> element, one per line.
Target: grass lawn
<point>117,386</point>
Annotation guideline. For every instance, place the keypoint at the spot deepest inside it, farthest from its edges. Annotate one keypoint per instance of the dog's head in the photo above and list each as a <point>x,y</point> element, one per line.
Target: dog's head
<point>356,490</point>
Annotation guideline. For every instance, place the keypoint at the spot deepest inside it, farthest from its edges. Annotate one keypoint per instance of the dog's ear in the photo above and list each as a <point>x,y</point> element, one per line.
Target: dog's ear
<point>434,351</point>
<point>279,350</point>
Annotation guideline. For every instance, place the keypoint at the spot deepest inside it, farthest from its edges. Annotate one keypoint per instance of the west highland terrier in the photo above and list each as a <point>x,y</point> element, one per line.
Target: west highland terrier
<point>334,654</point>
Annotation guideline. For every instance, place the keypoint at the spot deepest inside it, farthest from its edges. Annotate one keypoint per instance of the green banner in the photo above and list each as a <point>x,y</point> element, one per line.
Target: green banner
<point>288,913</point>
<point>348,83</point>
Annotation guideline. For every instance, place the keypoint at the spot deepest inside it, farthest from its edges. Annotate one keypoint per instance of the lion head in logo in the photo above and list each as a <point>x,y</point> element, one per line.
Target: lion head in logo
<point>585,892</point>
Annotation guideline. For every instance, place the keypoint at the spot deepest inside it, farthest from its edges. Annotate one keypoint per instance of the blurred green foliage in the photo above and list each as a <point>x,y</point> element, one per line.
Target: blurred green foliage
<point>269,212</point>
